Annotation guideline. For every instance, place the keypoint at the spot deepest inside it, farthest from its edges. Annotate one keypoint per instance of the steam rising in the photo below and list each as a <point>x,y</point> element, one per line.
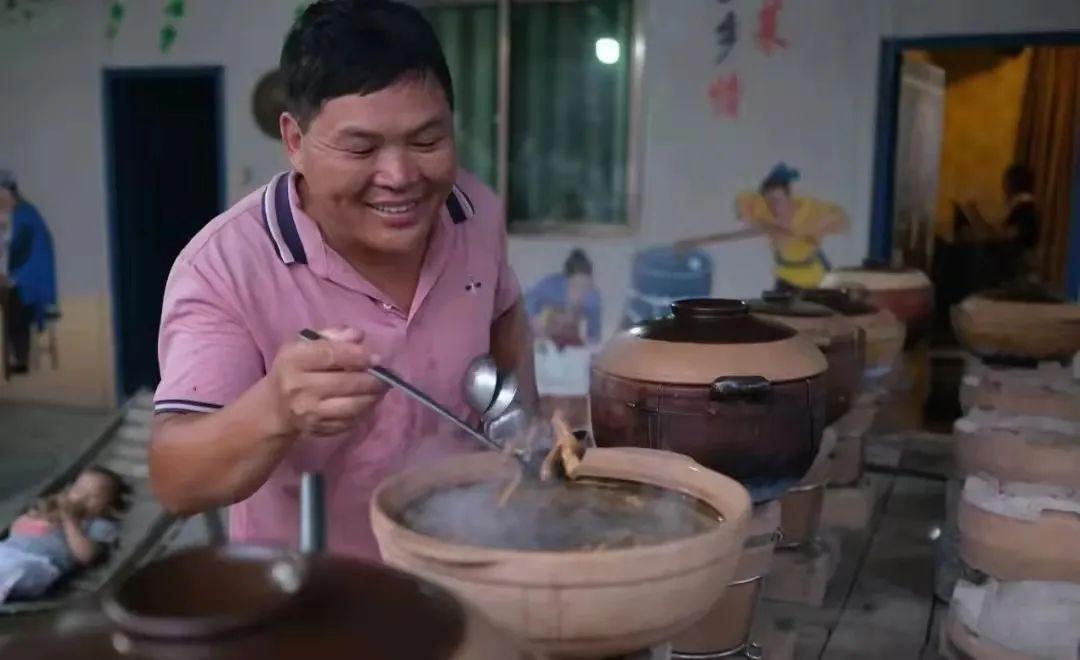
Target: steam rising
<point>560,516</point>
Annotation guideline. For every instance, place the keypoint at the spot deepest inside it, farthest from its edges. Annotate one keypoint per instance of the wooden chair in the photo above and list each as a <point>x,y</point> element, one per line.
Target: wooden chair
<point>44,342</point>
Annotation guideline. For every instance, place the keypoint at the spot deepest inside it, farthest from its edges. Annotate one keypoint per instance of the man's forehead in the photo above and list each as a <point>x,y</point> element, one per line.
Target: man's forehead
<point>403,107</point>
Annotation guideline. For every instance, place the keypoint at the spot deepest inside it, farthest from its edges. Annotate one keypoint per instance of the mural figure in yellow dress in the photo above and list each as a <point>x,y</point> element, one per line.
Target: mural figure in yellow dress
<point>794,224</point>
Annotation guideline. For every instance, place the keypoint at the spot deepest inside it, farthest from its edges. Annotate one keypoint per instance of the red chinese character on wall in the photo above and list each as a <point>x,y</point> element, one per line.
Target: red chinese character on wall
<point>725,93</point>
<point>768,25</point>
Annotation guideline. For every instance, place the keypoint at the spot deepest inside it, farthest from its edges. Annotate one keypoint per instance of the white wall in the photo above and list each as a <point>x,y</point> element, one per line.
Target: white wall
<point>812,106</point>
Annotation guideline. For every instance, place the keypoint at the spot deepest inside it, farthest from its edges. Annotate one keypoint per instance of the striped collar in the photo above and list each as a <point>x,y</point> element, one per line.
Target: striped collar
<point>279,218</point>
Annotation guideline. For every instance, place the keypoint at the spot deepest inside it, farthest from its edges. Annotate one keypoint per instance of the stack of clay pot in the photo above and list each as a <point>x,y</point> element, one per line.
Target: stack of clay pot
<point>725,630</point>
<point>1016,507</point>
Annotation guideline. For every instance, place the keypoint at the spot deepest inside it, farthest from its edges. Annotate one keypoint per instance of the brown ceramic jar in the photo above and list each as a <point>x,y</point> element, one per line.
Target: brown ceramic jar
<point>906,292</point>
<point>840,340</point>
<point>739,394</point>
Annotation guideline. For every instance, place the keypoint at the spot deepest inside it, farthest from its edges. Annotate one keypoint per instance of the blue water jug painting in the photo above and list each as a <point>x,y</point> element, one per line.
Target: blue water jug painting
<point>660,276</point>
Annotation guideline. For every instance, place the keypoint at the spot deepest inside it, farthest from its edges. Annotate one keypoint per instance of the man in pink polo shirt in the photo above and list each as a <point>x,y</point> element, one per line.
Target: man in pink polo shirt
<point>376,239</point>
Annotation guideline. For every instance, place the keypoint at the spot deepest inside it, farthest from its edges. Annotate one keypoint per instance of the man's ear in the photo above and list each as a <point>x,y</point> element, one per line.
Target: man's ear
<point>292,136</point>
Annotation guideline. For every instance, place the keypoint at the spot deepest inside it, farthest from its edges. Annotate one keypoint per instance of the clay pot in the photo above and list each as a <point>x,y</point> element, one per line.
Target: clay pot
<point>740,395</point>
<point>906,292</point>
<point>726,628</point>
<point>974,646</point>
<point>1008,548</point>
<point>1047,391</point>
<point>1019,322</point>
<point>245,602</point>
<point>840,340</point>
<point>1010,448</point>
<point>578,604</point>
<point>884,333</point>
<point>846,466</point>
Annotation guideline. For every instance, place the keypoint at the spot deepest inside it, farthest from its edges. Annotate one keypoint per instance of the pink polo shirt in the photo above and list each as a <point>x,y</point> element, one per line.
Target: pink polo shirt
<point>259,273</point>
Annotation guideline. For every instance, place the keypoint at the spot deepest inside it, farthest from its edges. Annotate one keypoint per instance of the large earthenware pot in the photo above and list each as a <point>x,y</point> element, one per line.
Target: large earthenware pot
<point>591,602</point>
<point>840,340</point>
<point>740,395</point>
<point>884,333</point>
<point>1020,322</point>
<point>906,292</point>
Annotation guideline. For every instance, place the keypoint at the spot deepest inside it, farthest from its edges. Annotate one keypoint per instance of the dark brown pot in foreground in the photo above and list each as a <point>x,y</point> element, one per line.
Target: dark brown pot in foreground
<point>840,340</point>
<point>740,395</point>
<point>906,292</point>
<point>242,602</point>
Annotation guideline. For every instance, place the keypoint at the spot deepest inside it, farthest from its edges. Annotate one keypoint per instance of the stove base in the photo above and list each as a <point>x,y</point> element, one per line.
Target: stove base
<point>802,576</point>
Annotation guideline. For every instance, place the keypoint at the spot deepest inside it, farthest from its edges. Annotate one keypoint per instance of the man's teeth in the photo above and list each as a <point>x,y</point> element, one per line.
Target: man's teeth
<point>395,209</point>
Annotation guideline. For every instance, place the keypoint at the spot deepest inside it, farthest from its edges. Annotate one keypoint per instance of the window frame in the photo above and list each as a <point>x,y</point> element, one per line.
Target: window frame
<point>557,227</point>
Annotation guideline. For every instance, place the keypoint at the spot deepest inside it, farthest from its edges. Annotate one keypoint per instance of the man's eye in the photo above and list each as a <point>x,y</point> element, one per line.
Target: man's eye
<point>427,144</point>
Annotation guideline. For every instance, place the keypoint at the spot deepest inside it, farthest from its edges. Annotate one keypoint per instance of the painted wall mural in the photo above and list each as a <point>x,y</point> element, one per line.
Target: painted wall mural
<point>726,88</point>
<point>565,310</point>
<point>794,224</point>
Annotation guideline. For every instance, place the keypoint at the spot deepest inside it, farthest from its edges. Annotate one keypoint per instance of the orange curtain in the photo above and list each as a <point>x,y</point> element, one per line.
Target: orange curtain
<point>1048,138</point>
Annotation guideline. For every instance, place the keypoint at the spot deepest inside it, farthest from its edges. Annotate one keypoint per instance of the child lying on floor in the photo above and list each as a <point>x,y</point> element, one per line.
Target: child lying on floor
<point>60,534</point>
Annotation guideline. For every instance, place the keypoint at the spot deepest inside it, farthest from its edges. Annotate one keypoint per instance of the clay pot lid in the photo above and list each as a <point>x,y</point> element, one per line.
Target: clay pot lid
<point>817,322</point>
<point>210,597</point>
<point>784,303</point>
<point>877,276</point>
<point>1026,294</point>
<point>848,302</point>
<point>708,338</point>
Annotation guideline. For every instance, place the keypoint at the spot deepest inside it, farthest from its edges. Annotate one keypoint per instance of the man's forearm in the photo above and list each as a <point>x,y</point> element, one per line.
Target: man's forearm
<point>199,462</point>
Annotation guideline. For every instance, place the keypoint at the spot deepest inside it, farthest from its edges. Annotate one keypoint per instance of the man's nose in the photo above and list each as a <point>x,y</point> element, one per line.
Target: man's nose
<point>395,168</point>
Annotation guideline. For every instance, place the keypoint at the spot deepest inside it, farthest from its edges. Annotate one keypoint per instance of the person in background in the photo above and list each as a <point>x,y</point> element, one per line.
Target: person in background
<point>61,534</point>
<point>31,271</point>
<point>559,303</point>
<point>795,226</point>
<point>1020,227</point>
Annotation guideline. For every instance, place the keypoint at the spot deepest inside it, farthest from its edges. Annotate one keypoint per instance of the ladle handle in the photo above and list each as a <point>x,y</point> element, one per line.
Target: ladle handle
<point>394,380</point>
<point>312,514</point>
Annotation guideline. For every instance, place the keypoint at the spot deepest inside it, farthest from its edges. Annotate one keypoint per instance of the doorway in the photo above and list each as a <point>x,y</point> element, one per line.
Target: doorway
<point>165,181</point>
<point>1010,71</point>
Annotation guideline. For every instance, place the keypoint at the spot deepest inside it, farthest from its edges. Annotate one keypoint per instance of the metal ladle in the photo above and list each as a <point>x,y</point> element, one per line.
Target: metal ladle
<point>390,378</point>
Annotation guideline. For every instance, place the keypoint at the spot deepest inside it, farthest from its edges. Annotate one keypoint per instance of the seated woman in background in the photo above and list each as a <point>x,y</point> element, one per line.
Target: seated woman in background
<point>795,225</point>
<point>30,269</point>
<point>1020,227</point>
<point>60,534</point>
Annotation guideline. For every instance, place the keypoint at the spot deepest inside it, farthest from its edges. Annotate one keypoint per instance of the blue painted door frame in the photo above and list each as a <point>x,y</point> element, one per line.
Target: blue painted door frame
<point>882,196</point>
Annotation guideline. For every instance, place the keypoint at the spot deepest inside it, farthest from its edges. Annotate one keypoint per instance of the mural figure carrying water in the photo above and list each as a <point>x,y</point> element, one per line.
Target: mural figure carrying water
<point>794,224</point>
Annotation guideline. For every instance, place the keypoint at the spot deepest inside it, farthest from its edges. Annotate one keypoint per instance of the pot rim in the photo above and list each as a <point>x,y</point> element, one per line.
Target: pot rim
<point>909,279</point>
<point>130,620</point>
<point>547,568</point>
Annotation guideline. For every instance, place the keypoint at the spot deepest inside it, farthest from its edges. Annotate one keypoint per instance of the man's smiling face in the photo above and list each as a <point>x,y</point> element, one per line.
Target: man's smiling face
<point>376,168</point>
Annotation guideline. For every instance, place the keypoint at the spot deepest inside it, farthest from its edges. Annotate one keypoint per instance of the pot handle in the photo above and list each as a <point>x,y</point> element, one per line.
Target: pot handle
<point>726,388</point>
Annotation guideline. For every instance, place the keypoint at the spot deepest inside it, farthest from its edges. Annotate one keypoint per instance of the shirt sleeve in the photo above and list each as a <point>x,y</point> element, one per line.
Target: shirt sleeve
<point>102,530</point>
<point>206,354</point>
<point>507,290</point>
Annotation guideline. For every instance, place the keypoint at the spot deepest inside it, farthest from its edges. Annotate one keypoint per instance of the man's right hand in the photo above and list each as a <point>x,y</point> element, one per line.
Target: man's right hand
<point>322,388</point>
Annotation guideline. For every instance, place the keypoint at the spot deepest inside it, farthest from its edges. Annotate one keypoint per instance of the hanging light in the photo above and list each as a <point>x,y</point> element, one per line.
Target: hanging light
<point>608,50</point>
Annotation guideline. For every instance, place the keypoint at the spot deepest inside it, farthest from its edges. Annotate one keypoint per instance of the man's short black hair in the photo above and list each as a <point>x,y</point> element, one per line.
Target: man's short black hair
<point>577,263</point>
<point>340,47</point>
<point>1019,179</point>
